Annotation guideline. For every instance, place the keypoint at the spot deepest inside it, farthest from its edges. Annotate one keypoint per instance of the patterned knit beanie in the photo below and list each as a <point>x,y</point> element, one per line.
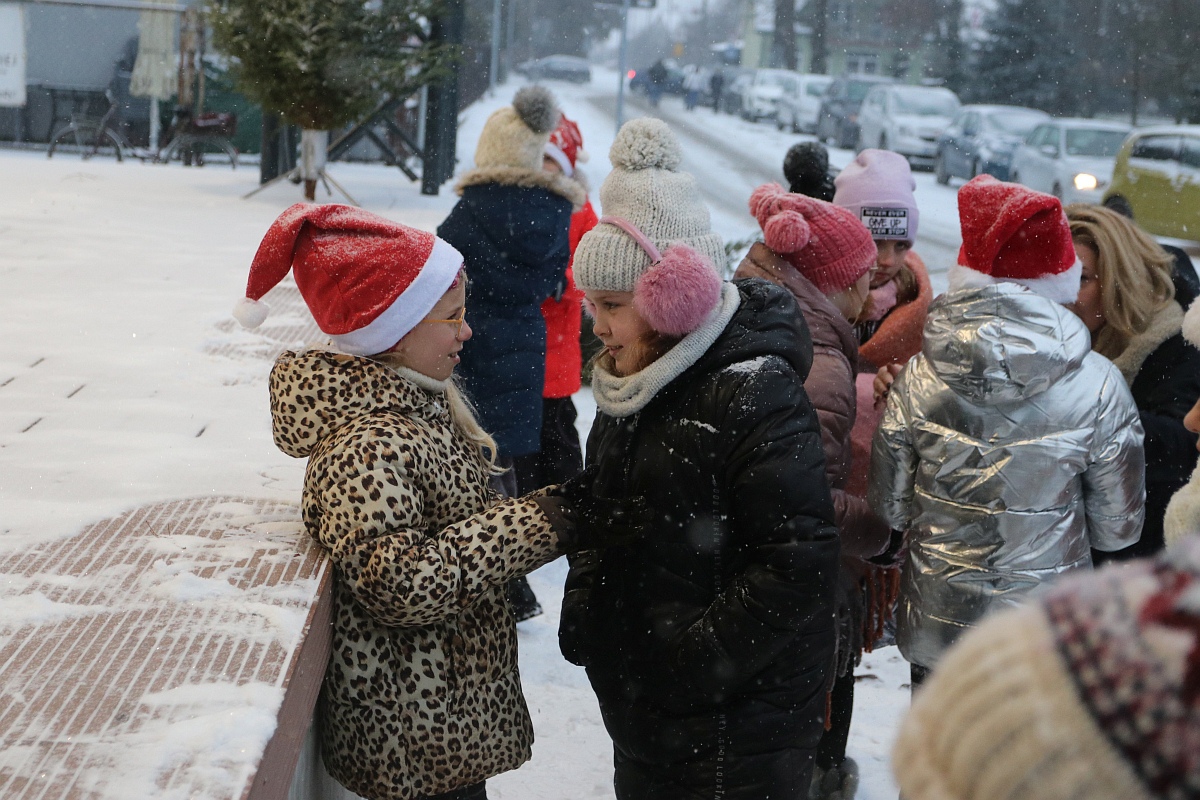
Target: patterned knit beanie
<point>1090,692</point>
<point>825,243</point>
<point>515,136</point>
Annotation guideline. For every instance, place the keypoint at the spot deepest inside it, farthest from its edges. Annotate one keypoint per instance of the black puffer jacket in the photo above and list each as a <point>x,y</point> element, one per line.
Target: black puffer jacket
<point>709,641</point>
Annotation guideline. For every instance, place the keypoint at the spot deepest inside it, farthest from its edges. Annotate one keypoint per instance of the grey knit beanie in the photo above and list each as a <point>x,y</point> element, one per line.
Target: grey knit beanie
<point>646,188</point>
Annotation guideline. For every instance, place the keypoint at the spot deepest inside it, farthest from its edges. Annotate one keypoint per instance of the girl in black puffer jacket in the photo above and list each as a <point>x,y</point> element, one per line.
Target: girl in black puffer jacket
<point>706,626</point>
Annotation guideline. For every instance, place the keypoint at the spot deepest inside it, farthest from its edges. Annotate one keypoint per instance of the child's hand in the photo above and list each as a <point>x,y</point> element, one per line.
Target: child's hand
<point>884,380</point>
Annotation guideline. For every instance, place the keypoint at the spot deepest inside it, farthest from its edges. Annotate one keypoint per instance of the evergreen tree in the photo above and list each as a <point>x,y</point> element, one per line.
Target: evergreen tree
<point>1029,59</point>
<point>325,63</point>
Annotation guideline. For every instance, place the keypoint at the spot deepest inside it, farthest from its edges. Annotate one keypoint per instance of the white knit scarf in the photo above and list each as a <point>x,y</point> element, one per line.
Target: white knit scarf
<point>621,396</point>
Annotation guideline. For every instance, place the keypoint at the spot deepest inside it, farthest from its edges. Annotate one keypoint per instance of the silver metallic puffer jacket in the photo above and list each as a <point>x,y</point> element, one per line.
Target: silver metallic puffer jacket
<point>1008,448</point>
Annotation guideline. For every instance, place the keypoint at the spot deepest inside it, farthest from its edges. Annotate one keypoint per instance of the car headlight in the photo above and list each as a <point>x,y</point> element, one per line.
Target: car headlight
<point>1086,182</point>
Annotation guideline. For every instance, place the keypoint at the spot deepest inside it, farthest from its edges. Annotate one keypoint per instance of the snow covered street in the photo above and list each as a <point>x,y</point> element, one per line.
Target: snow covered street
<point>124,382</point>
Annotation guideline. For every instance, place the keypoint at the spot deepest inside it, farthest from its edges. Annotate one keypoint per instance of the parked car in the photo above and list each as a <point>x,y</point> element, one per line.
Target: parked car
<point>906,119</point>
<point>799,106</point>
<point>837,121</point>
<point>1071,159</point>
<point>640,80</point>
<point>1156,178</point>
<point>760,97</point>
<point>556,68</point>
<point>982,139</point>
<point>736,80</point>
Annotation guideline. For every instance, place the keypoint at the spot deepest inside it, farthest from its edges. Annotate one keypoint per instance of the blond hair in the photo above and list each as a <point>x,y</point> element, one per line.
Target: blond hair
<point>1134,274</point>
<point>462,416</point>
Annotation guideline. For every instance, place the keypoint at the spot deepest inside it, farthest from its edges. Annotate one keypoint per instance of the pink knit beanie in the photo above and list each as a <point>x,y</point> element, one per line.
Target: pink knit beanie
<point>878,187</point>
<point>826,244</point>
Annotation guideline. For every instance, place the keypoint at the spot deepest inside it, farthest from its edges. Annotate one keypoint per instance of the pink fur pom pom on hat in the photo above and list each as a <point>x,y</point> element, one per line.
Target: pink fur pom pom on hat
<point>826,244</point>
<point>677,294</point>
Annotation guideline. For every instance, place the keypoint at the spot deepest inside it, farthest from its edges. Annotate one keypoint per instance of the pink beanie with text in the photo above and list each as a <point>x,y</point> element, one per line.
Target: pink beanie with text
<point>878,187</point>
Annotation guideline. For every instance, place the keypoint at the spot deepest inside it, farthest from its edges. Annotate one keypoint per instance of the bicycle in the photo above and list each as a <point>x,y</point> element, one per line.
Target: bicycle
<point>93,136</point>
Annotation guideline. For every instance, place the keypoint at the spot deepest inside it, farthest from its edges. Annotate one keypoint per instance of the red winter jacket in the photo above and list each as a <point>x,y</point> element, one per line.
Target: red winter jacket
<point>564,319</point>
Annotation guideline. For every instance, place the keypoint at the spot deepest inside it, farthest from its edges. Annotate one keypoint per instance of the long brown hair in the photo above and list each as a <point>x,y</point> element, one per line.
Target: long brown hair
<point>1134,274</point>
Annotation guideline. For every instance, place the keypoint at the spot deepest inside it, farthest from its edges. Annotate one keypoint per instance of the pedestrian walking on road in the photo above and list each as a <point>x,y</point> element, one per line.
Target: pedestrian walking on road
<point>1008,449</point>
<point>707,636</point>
<point>421,698</point>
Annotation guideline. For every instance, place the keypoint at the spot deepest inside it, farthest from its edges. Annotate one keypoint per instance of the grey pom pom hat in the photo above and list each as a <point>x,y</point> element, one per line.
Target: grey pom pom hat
<point>646,188</point>
<point>516,135</point>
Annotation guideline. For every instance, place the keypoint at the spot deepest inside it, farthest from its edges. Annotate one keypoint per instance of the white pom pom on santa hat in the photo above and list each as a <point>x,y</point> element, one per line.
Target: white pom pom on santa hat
<point>251,313</point>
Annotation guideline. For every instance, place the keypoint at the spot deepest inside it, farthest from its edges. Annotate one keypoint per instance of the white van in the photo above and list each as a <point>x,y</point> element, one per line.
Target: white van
<point>798,107</point>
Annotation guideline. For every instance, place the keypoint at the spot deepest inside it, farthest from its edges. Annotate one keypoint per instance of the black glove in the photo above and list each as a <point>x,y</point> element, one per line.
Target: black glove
<point>595,522</point>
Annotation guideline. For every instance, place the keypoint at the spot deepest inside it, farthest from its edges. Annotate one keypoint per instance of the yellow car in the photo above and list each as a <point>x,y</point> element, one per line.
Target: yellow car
<point>1156,180</point>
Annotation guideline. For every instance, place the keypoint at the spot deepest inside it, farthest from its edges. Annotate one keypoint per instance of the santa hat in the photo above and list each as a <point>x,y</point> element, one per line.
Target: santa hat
<point>566,146</point>
<point>656,238</point>
<point>1011,233</point>
<point>367,280</point>
<point>1090,691</point>
<point>878,187</point>
<point>825,243</point>
<point>515,136</point>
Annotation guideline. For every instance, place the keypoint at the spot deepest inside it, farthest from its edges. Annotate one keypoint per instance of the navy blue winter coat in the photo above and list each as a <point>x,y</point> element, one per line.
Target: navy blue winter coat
<point>514,239</point>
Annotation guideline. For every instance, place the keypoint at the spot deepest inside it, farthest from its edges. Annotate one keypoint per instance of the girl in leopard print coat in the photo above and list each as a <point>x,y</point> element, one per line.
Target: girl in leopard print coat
<point>422,697</point>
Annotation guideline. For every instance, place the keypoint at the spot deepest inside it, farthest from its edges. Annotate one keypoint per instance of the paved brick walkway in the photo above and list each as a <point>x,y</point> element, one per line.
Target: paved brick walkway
<point>139,628</point>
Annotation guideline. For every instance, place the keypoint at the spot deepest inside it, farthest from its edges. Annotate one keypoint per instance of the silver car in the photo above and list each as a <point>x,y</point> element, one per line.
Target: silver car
<point>1071,159</point>
<point>906,119</point>
<point>801,103</point>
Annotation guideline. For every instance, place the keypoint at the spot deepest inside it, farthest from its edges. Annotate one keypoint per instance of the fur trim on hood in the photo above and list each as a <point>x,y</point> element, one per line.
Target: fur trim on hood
<point>516,176</point>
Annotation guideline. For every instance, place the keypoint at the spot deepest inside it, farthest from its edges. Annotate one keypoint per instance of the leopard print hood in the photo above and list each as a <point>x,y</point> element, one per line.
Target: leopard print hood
<point>315,392</point>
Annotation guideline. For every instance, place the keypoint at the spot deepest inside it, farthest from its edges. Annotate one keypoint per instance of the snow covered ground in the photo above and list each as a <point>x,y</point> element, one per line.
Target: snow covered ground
<point>121,383</point>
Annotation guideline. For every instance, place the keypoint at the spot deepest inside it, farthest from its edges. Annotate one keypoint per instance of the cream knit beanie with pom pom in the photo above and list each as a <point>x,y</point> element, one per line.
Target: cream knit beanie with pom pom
<point>646,188</point>
<point>516,135</point>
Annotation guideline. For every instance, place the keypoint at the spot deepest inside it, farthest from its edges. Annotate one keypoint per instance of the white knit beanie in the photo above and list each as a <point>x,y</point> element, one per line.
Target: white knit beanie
<point>646,188</point>
<point>1090,692</point>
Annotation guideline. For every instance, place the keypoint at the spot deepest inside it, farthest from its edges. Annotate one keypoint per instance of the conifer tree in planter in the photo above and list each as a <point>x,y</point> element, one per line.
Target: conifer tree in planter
<point>325,63</point>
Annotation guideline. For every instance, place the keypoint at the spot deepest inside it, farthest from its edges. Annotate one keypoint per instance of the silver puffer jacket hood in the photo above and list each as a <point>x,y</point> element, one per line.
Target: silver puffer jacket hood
<point>1002,344</point>
<point>1008,449</point>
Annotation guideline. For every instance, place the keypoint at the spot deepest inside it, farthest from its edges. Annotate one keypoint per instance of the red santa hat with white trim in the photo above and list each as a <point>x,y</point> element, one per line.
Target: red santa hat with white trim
<point>566,146</point>
<point>1011,233</point>
<point>367,280</point>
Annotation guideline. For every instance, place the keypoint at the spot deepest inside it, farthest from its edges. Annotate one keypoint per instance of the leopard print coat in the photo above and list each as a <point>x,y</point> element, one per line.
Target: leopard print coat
<point>422,693</point>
